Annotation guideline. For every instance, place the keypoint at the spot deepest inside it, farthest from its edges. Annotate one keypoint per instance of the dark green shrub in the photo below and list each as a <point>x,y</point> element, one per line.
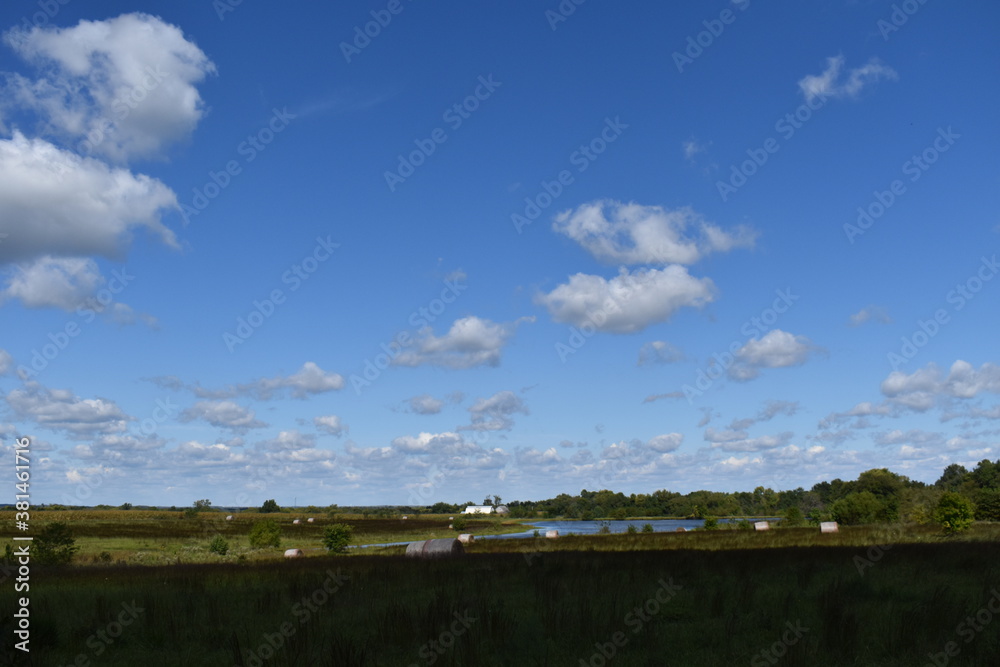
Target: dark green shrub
<point>265,534</point>
<point>337,537</point>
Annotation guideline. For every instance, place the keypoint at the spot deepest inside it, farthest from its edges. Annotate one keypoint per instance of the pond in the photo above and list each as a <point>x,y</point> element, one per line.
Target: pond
<point>592,528</point>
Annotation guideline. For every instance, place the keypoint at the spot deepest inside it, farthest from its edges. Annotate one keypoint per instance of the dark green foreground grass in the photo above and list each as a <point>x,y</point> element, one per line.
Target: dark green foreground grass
<point>552,608</point>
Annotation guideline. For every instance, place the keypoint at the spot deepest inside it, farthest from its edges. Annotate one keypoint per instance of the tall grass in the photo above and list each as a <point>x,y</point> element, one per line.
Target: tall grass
<point>550,608</point>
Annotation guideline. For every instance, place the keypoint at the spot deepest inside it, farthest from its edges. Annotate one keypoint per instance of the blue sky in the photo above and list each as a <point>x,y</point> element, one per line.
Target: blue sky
<point>495,248</point>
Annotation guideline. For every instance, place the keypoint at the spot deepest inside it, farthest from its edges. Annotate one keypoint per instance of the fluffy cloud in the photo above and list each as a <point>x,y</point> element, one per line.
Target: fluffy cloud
<point>830,83</point>
<point>425,404</point>
<point>6,362</point>
<point>61,409</point>
<point>962,381</point>
<point>55,203</point>
<point>494,413</point>
<point>619,233</point>
<point>470,342</point>
<point>123,87</point>
<point>289,441</point>
<point>776,349</point>
<point>330,424</point>
<point>870,314</point>
<point>223,414</point>
<point>51,282</point>
<point>308,380</point>
<point>629,302</point>
<point>667,442</point>
<point>762,443</point>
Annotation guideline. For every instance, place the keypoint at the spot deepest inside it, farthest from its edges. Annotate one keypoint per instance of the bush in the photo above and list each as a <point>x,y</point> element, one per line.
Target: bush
<point>793,517</point>
<point>337,537</point>
<point>265,534</point>
<point>459,523</point>
<point>647,528</point>
<point>954,512</point>
<point>55,545</point>
<point>605,528</point>
<point>711,523</point>
<point>632,530</point>
<point>269,506</point>
<point>857,508</point>
<point>219,545</point>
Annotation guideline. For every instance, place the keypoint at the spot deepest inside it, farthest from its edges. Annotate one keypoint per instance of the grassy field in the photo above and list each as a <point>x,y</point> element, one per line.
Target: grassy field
<point>169,538</point>
<point>864,596</point>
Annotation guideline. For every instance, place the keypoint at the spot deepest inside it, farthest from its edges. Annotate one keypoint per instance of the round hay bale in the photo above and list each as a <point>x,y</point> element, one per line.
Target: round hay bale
<point>229,518</point>
<point>296,521</point>
<point>762,525</point>
<point>465,538</point>
<point>681,529</point>
<point>552,534</point>
<point>442,548</point>
<point>310,520</point>
<point>405,517</point>
<point>451,518</point>
<point>829,527</point>
<point>293,553</point>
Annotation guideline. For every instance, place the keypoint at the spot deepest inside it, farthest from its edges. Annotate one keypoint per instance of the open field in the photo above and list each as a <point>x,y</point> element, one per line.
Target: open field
<point>165,538</point>
<point>867,595</point>
<point>804,605</point>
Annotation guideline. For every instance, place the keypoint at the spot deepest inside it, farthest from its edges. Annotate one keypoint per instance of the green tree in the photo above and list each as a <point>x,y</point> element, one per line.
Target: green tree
<point>987,504</point>
<point>219,545</point>
<point>954,512</point>
<point>269,506</point>
<point>459,523</point>
<point>55,545</point>
<point>793,517</point>
<point>952,477</point>
<point>265,534</point>
<point>337,537</point>
<point>711,523</point>
<point>125,506</point>
<point>203,505</point>
<point>857,508</point>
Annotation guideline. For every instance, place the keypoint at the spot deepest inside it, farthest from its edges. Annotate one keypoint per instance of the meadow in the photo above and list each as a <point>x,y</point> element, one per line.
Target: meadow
<point>863,596</point>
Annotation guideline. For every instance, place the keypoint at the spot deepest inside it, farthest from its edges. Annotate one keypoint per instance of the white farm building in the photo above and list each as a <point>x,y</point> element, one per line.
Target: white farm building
<point>486,509</point>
